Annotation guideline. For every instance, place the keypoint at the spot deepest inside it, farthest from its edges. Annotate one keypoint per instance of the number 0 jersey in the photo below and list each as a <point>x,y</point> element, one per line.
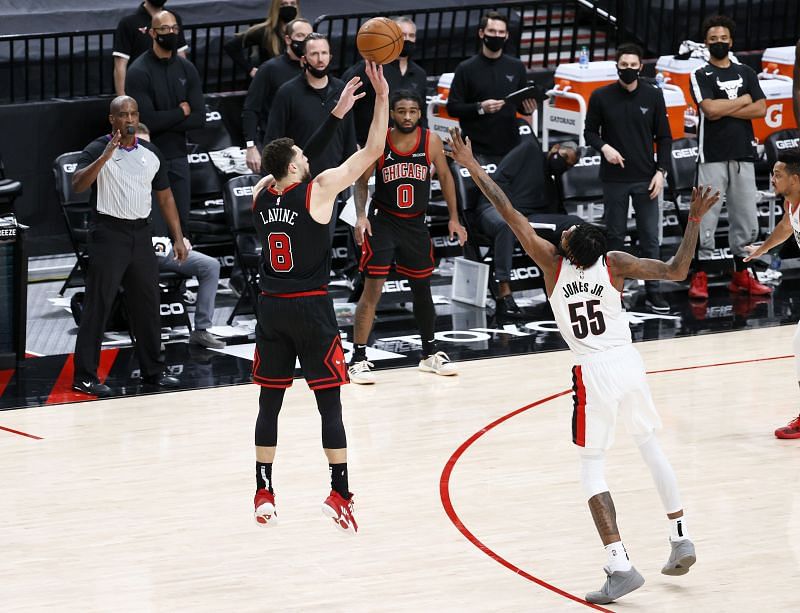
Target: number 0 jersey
<point>588,308</point>
<point>402,180</point>
<point>296,250</point>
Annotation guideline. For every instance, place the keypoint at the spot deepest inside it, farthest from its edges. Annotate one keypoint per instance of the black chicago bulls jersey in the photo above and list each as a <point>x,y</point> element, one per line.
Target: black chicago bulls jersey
<point>296,250</point>
<point>402,180</point>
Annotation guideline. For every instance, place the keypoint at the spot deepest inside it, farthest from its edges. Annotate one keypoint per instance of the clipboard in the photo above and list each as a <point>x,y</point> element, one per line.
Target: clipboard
<point>526,93</point>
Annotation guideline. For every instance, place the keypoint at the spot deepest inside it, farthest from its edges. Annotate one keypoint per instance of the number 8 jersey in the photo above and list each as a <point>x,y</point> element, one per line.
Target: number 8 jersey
<point>402,180</point>
<point>588,308</point>
<point>295,249</point>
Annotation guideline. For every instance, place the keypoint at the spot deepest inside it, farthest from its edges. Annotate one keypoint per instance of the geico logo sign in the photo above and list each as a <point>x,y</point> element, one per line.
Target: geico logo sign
<point>763,209</point>
<point>589,160</point>
<point>226,260</point>
<point>529,272</point>
<point>444,241</point>
<point>198,158</point>
<point>789,143</point>
<point>671,220</point>
<point>174,369</point>
<point>679,154</point>
<point>774,116</point>
<point>719,254</point>
<point>69,168</point>
<point>213,116</point>
<point>339,252</point>
<point>489,168</point>
<point>173,308</point>
<point>401,285</point>
<point>214,202</point>
<point>247,190</point>
<point>524,130</point>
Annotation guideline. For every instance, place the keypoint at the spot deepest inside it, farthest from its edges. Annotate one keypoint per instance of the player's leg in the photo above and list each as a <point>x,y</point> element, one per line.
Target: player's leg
<point>266,439</point>
<point>792,429</point>
<point>648,226</point>
<point>743,228</point>
<point>493,225</point>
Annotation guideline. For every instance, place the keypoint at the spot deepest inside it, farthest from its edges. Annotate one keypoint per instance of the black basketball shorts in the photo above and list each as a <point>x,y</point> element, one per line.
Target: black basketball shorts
<point>301,327</point>
<point>405,241</point>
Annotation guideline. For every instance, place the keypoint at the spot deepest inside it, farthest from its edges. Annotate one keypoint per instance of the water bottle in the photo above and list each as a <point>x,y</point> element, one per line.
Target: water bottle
<point>775,262</point>
<point>583,58</point>
<point>660,80</point>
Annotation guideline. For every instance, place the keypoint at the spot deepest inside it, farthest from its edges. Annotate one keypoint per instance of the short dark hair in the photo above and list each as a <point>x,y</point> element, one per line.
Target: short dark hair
<point>405,94</point>
<point>492,15</point>
<point>317,36</point>
<point>629,49</point>
<point>277,156</point>
<point>791,159</point>
<point>585,244</point>
<point>718,21</point>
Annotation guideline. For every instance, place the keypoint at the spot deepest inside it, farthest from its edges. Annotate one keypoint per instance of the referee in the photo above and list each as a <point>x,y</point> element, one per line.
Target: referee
<point>122,172</point>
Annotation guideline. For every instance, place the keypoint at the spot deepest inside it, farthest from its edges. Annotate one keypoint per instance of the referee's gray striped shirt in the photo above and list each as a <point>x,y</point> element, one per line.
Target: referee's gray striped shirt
<point>124,184</point>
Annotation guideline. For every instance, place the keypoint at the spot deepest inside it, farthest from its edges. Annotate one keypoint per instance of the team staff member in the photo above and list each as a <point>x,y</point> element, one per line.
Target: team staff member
<point>122,172</point>
<point>479,87</point>
<point>622,122</point>
<point>131,39</point>
<point>270,76</point>
<point>728,97</point>
<point>167,88</point>
<point>304,103</point>
<point>402,74</point>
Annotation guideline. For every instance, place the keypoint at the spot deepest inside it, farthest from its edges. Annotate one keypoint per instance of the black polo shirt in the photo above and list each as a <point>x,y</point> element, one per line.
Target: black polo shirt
<point>132,37</point>
<point>298,110</point>
<point>269,78</point>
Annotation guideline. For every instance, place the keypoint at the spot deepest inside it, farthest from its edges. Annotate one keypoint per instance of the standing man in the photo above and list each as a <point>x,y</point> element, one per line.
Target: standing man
<point>122,172</point>
<point>132,38</point>
<point>395,230</point>
<point>728,97</point>
<point>786,182</point>
<point>304,103</point>
<point>584,284</point>
<point>479,87</point>
<point>270,76</point>
<point>167,88</point>
<point>291,214</point>
<point>623,121</point>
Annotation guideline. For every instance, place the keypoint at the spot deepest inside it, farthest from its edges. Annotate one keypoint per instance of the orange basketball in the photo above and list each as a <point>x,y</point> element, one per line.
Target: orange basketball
<point>380,40</point>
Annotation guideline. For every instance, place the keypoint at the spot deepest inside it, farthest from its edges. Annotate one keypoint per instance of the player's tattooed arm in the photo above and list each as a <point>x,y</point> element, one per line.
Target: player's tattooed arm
<point>604,515</point>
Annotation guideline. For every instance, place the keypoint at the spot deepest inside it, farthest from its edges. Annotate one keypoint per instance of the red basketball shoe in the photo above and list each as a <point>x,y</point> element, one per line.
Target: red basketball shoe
<point>699,286</point>
<point>744,281</point>
<point>340,511</point>
<point>266,514</point>
<point>790,430</point>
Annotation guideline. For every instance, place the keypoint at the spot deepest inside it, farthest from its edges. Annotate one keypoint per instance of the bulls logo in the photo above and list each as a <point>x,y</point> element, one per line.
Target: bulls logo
<point>246,190</point>
<point>198,158</point>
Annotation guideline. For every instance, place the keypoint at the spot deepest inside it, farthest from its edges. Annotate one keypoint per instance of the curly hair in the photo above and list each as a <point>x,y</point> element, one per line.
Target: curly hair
<point>585,244</point>
<point>277,156</point>
<point>718,21</point>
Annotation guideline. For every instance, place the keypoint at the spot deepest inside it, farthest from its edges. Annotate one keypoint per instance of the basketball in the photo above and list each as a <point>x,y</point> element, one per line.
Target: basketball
<point>379,40</point>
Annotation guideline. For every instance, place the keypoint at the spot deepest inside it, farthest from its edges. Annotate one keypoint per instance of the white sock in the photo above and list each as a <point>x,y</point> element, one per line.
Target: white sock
<point>617,557</point>
<point>678,531</point>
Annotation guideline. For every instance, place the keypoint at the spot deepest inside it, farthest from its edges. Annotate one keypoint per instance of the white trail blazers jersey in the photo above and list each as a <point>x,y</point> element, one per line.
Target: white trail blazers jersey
<point>794,218</point>
<point>588,308</point>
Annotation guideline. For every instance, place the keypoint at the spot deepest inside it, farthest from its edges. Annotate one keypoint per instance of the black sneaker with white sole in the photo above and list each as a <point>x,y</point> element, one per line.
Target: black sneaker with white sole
<point>655,302</point>
<point>94,388</point>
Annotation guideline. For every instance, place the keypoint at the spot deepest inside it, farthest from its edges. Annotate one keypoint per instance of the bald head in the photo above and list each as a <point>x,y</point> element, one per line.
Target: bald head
<point>118,103</point>
<point>163,18</point>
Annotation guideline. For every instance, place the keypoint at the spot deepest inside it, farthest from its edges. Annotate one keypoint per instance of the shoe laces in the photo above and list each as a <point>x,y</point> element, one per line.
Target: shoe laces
<point>440,358</point>
<point>362,366</point>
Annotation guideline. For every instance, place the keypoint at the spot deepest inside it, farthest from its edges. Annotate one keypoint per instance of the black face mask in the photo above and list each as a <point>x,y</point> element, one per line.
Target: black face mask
<point>298,47</point>
<point>317,72</point>
<point>719,51</point>
<point>628,75</point>
<point>168,42</point>
<point>408,48</point>
<point>494,43</point>
<point>557,164</point>
<point>157,3</point>
<point>287,13</point>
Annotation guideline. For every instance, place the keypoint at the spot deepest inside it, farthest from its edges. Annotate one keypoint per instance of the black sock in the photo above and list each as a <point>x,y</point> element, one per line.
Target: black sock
<point>339,479</point>
<point>359,353</point>
<point>264,476</point>
<point>739,264</point>
<point>428,348</point>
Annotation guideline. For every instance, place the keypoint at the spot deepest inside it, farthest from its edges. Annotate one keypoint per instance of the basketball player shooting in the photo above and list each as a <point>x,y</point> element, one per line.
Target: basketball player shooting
<point>584,285</point>
<point>296,320</point>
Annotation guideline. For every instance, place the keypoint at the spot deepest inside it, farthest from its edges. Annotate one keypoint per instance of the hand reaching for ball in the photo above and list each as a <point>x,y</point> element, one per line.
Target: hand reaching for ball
<point>375,74</point>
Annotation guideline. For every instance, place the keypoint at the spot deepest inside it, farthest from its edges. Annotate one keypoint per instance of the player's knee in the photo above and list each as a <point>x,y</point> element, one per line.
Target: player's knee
<point>269,406</point>
<point>420,289</point>
<point>329,405</point>
<point>593,480</point>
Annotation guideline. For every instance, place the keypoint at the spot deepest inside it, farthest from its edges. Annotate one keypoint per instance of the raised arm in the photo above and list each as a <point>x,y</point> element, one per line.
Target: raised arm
<point>779,235</point>
<point>624,265</point>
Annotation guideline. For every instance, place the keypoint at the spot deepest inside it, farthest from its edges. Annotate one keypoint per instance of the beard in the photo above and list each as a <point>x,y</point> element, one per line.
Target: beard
<point>407,130</point>
<point>306,176</point>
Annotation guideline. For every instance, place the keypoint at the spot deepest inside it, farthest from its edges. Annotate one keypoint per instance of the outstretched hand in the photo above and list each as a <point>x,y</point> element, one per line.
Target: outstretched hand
<point>460,149</point>
<point>702,200</point>
<point>375,74</point>
<point>348,97</point>
<point>755,251</point>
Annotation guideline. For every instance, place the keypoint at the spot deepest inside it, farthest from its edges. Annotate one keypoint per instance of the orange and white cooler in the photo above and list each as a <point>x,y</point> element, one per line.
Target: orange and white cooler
<point>679,72</point>
<point>780,114</point>
<point>778,61</point>
<point>438,119</point>
<point>676,109</point>
<point>582,81</point>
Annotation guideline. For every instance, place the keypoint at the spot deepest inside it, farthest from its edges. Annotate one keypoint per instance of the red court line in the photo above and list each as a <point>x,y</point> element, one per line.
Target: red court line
<point>38,438</point>
<point>444,480</point>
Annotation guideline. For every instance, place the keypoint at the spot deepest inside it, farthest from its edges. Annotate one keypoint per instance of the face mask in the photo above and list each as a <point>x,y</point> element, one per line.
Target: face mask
<point>157,3</point>
<point>557,164</point>
<point>719,51</point>
<point>168,42</point>
<point>408,48</point>
<point>298,47</point>
<point>317,72</point>
<point>287,13</point>
<point>494,43</point>
<point>628,75</point>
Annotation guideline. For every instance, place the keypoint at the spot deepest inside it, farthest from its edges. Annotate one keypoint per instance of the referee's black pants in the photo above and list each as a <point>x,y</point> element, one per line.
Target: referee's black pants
<point>120,254</point>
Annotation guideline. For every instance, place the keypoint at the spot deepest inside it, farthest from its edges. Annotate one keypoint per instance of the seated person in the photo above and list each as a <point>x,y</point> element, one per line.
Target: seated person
<point>197,264</point>
<point>528,177</point>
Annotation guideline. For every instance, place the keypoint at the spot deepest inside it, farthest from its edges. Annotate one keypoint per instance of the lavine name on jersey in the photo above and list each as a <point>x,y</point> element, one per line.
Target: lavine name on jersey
<point>272,215</point>
<point>579,287</point>
<point>404,170</point>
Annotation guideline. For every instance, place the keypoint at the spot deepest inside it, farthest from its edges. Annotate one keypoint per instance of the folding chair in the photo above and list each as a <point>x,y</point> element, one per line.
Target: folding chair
<point>76,211</point>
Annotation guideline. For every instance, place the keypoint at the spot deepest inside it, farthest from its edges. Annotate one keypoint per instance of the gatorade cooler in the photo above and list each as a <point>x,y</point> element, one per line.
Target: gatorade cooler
<point>780,114</point>
<point>582,81</point>
<point>778,61</point>
<point>676,109</point>
<point>438,119</point>
<point>679,72</point>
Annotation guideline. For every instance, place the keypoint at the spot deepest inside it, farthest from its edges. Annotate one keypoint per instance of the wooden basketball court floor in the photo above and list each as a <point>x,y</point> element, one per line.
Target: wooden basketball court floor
<point>145,504</point>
